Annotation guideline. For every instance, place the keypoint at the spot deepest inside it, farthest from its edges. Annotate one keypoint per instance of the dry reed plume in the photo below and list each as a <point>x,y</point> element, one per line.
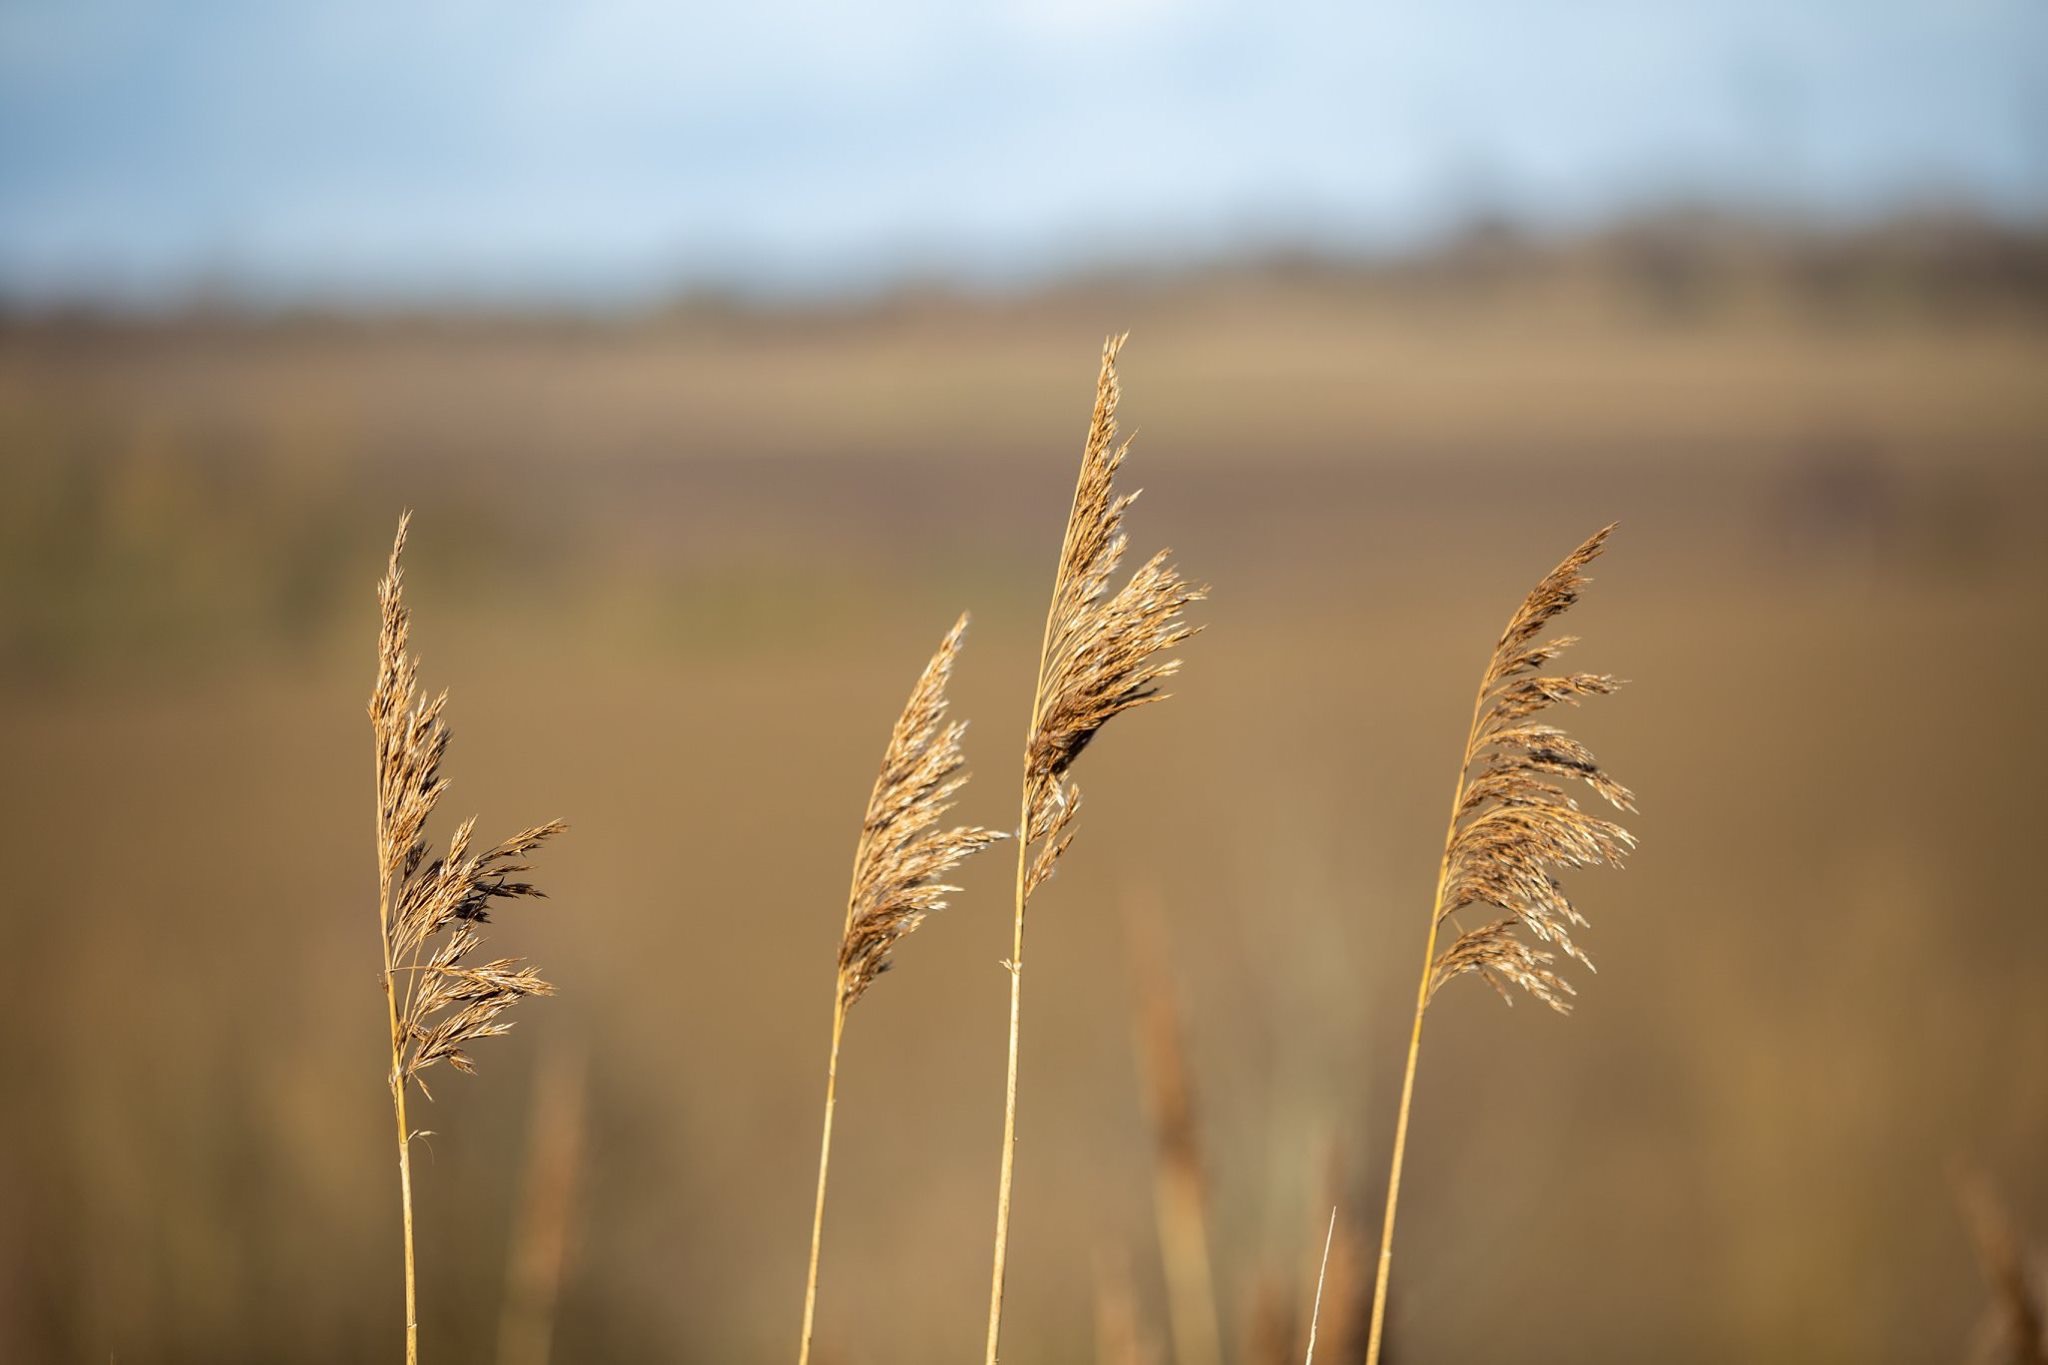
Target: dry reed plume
<point>438,1001</point>
<point>1099,657</point>
<point>897,865</point>
<point>1511,827</point>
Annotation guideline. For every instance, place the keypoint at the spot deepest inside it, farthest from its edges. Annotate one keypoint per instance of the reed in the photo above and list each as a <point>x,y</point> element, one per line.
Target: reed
<point>1180,1188</point>
<point>1100,655</point>
<point>438,1001</point>
<point>1511,829</point>
<point>897,866</point>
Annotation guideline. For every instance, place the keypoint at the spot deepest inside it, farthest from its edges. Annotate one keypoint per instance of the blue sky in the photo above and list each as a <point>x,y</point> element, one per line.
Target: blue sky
<point>498,147</point>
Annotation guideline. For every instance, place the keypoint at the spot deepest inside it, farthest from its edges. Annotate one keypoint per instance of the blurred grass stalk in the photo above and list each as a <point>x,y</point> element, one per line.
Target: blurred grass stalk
<point>1180,1195</point>
<point>547,1209</point>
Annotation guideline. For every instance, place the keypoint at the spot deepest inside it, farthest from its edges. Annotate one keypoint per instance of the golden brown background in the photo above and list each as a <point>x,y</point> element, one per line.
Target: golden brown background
<point>679,570</point>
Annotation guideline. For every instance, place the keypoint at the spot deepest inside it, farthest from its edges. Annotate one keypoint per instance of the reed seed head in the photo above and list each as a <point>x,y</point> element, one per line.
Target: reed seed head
<point>1103,651</point>
<point>1515,828</point>
<point>901,856</point>
<point>446,1001</point>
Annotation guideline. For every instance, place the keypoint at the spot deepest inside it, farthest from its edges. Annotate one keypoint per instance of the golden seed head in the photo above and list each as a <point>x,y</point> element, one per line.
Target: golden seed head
<point>1515,828</point>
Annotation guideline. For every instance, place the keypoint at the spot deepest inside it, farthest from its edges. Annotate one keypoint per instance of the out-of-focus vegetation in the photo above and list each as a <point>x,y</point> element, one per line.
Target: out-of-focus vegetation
<point>1820,984</point>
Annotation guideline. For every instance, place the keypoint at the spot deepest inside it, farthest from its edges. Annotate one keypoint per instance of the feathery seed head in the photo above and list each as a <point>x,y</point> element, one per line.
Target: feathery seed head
<point>900,859</point>
<point>1514,828</point>
<point>1102,651</point>
<point>444,1002</point>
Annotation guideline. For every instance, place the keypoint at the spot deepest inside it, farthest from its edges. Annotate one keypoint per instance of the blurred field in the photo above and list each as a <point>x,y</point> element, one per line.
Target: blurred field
<point>679,570</point>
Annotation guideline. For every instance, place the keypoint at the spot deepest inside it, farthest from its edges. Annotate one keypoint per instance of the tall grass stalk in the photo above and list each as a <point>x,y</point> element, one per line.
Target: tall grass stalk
<point>1510,830</point>
<point>1098,657</point>
<point>437,1001</point>
<point>897,866</point>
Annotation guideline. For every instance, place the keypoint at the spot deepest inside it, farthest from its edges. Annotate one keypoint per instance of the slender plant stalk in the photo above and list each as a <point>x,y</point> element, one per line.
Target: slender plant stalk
<point>1510,829</point>
<point>897,864</point>
<point>1315,1314</point>
<point>412,1317</point>
<point>1097,658</point>
<point>1006,1180</point>
<point>824,1167</point>
<point>1422,994</point>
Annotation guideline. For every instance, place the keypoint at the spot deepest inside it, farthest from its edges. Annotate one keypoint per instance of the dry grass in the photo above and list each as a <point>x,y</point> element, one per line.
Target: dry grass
<point>897,867</point>
<point>1100,656</point>
<point>1511,829</point>
<point>439,1003</point>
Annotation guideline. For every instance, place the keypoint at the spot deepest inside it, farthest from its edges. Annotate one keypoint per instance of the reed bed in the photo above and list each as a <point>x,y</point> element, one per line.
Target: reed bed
<point>1513,826</point>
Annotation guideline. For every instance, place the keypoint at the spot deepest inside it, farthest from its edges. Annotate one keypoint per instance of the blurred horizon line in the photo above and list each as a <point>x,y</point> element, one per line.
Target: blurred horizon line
<point>1680,228</point>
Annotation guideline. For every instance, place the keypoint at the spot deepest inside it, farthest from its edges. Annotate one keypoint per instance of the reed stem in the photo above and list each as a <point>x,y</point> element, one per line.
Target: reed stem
<point>1016,962</point>
<point>824,1165</point>
<point>412,1319</point>
<point>1016,967</point>
<point>1443,870</point>
<point>1096,660</point>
